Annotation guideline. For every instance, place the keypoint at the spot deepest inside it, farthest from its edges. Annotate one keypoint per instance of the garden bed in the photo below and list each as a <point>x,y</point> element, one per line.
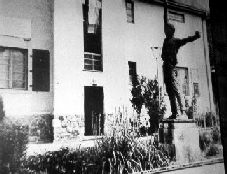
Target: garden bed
<point>122,154</point>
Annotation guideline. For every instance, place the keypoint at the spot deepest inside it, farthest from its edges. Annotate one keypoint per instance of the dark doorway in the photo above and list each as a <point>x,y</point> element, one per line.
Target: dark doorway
<point>93,108</point>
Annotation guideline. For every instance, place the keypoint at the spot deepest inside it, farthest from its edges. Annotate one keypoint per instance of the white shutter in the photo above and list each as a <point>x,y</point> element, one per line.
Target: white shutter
<point>4,68</point>
<point>18,72</point>
<point>12,68</point>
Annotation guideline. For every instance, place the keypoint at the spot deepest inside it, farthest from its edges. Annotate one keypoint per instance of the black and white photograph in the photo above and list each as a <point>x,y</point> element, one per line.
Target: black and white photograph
<point>113,87</point>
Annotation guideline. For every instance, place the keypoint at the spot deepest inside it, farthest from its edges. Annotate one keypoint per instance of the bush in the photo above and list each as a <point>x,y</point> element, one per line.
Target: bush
<point>205,140</point>
<point>2,112</point>
<point>117,155</point>
<point>209,142</point>
<point>13,140</point>
<point>216,135</point>
<point>62,161</point>
<point>212,150</point>
<point>147,92</point>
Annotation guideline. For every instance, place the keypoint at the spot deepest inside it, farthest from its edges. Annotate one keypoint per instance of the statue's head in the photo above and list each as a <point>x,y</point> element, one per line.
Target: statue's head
<point>169,30</point>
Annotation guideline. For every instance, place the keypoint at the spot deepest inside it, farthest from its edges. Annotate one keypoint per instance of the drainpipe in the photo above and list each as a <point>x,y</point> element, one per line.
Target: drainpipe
<point>206,60</point>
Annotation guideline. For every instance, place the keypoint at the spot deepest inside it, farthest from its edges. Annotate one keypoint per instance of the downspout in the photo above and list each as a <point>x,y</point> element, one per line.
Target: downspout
<point>206,61</point>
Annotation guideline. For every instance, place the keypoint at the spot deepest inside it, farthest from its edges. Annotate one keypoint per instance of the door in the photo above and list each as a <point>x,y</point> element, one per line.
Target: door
<point>93,108</point>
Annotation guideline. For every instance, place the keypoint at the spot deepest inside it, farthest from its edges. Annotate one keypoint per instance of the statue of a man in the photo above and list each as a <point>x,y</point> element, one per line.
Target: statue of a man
<point>170,49</point>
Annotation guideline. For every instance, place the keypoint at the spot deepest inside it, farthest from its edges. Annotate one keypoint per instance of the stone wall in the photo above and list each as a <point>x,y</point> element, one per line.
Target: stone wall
<point>68,127</point>
<point>40,128</point>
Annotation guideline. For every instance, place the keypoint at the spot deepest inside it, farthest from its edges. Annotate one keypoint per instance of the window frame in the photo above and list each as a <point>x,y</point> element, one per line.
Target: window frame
<point>185,91</point>
<point>93,60</point>
<point>131,10</point>
<point>132,71</point>
<point>176,16</point>
<point>97,37</point>
<point>196,90</point>
<point>10,69</point>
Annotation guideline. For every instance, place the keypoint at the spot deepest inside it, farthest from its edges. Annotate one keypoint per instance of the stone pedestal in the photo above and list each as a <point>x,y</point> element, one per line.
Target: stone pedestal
<point>183,135</point>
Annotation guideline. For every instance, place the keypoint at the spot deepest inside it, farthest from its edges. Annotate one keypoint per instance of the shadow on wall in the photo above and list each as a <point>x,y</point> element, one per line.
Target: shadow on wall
<point>2,112</point>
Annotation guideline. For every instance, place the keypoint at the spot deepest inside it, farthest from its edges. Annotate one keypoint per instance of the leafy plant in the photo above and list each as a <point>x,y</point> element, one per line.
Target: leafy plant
<point>137,93</point>
<point>210,142</point>
<point>209,119</point>
<point>13,140</point>
<point>212,150</point>
<point>2,112</point>
<point>121,152</point>
<point>111,155</point>
<point>147,92</point>
<point>205,140</point>
<point>216,135</point>
<point>191,108</point>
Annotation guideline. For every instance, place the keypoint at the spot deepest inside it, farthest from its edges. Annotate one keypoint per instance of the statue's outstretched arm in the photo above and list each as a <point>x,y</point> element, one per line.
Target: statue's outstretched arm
<point>183,41</point>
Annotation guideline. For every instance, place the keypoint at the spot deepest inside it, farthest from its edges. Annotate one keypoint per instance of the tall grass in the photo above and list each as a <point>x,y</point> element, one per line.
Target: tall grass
<point>120,152</point>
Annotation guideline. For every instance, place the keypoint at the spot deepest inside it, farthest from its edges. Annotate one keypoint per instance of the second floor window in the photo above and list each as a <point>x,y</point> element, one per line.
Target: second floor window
<point>130,11</point>
<point>13,68</point>
<point>92,17</point>
<point>175,16</point>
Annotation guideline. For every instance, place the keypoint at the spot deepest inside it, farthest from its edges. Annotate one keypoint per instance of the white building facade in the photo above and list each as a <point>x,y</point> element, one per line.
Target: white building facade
<point>26,31</point>
<point>90,49</point>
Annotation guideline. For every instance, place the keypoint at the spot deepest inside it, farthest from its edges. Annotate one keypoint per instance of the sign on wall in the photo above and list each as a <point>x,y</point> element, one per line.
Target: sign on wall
<point>15,27</point>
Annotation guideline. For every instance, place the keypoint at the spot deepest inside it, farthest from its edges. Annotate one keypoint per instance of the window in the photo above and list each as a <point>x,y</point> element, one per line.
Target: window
<point>92,12</point>
<point>129,11</point>
<point>41,70</point>
<point>183,79</point>
<point>132,71</point>
<point>175,16</point>
<point>196,89</point>
<point>92,61</point>
<point>13,68</point>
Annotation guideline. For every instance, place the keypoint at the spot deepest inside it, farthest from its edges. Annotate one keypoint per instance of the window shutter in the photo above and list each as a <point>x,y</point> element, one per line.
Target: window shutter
<point>41,70</point>
<point>4,68</point>
<point>13,68</point>
<point>19,69</point>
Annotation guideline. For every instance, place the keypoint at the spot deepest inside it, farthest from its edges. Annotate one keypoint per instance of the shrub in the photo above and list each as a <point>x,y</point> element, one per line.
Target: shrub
<point>2,112</point>
<point>209,121</point>
<point>62,161</point>
<point>216,135</point>
<point>205,140</point>
<point>191,108</point>
<point>147,92</point>
<point>209,142</point>
<point>13,140</point>
<point>117,155</point>
<point>212,150</point>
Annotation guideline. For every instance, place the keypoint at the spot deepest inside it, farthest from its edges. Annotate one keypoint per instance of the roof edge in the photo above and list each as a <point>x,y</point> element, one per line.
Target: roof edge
<point>180,6</point>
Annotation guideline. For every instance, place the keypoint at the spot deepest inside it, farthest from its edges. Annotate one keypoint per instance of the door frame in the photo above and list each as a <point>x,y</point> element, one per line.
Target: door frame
<point>100,130</point>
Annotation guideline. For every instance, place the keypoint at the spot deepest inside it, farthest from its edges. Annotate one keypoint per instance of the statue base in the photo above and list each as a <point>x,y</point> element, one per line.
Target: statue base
<point>183,136</point>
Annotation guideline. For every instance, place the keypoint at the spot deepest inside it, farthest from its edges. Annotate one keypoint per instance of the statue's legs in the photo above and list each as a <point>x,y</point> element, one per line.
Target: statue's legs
<point>172,100</point>
<point>172,88</point>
